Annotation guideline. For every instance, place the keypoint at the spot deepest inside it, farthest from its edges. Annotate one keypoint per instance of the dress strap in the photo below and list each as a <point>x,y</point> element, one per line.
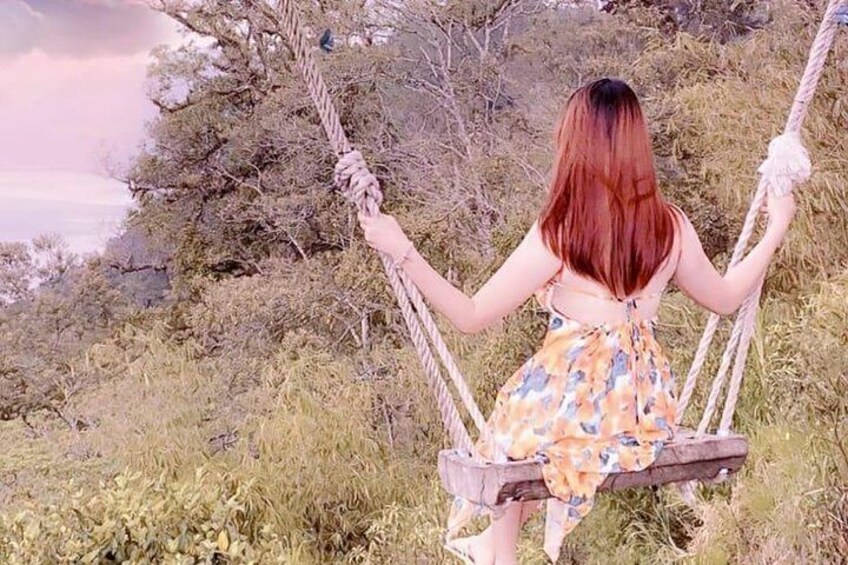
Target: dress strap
<point>549,291</point>
<point>601,296</point>
<point>631,303</point>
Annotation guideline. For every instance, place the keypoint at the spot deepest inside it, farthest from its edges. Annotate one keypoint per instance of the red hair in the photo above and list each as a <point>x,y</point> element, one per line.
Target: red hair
<point>605,216</point>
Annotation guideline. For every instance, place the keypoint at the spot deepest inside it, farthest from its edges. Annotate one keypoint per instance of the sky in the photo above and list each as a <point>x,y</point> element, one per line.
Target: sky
<point>72,98</point>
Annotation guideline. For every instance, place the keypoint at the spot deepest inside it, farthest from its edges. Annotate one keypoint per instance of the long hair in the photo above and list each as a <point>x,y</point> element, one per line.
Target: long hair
<point>605,217</point>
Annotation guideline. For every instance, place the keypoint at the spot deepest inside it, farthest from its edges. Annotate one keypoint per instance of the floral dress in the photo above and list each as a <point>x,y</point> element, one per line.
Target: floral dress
<point>594,400</point>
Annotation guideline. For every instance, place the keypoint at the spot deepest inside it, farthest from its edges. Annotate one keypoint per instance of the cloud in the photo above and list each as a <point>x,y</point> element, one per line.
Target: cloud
<point>86,210</point>
<point>20,25</point>
<point>61,186</point>
<point>72,81</point>
<point>67,114</point>
<point>80,28</point>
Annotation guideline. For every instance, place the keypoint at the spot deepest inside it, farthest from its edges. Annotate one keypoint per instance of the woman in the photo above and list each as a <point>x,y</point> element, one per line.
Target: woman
<point>598,397</point>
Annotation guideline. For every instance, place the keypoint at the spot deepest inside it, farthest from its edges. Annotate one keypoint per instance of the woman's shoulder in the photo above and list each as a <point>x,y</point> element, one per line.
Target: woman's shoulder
<point>684,229</point>
<point>678,212</point>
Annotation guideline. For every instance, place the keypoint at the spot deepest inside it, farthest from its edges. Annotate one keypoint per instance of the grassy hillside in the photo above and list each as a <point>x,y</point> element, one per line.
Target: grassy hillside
<point>273,410</point>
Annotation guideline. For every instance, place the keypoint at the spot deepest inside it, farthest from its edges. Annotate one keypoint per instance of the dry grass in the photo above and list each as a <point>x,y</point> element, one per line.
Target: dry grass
<point>263,430</point>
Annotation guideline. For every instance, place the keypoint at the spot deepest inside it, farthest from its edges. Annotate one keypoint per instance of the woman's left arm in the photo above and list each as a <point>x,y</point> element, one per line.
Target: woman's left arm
<point>529,266</point>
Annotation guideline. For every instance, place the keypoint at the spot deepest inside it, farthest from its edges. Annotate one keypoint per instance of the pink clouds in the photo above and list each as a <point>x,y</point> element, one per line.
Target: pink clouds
<point>72,91</point>
<point>84,209</point>
<point>20,23</point>
<point>66,113</point>
<point>72,81</point>
<point>79,28</point>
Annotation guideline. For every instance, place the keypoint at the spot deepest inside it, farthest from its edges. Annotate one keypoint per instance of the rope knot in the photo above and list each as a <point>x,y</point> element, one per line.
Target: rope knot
<point>787,163</point>
<point>357,183</point>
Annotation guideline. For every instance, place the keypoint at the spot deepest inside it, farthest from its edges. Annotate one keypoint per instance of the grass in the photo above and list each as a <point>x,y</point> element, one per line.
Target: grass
<point>261,432</point>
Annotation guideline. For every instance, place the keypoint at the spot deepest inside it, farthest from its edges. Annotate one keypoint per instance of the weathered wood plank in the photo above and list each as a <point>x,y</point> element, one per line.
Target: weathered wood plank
<point>684,458</point>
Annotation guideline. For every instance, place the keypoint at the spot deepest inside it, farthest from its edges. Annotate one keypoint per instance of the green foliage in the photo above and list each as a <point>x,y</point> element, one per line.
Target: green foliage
<point>43,338</point>
<point>275,412</point>
<point>717,20</point>
<point>23,265</point>
<point>138,520</point>
<point>16,271</point>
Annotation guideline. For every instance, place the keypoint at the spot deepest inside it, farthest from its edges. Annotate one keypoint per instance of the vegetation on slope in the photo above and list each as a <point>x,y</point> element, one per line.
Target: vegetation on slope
<point>272,411</point>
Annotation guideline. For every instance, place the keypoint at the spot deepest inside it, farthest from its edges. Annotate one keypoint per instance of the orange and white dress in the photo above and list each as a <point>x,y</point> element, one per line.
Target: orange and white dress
<point>594,400</point>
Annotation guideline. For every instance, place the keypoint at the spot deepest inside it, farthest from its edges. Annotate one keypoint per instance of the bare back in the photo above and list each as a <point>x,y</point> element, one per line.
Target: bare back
<point>587,301</point>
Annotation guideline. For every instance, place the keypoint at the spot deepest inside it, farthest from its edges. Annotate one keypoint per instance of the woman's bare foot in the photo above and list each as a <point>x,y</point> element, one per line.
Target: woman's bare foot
<point>474,549</point>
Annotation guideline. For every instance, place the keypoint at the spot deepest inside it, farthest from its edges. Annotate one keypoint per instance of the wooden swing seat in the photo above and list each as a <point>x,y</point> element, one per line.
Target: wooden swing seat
<point>684,458</point>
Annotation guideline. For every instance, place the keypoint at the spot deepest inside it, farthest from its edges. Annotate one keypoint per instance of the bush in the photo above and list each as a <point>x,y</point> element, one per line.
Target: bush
<point>204,520</point>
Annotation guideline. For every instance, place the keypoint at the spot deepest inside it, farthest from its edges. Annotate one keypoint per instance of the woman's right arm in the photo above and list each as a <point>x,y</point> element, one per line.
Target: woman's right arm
<point>697,277</point>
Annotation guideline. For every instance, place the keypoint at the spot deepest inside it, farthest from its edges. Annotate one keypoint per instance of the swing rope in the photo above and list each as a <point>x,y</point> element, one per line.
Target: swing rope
<point>780,172</point>
<point>786,165</point>
<point>356,182</point>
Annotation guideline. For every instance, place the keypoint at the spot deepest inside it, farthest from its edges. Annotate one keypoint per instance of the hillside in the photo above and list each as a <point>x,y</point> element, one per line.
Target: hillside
<point>272,409</point>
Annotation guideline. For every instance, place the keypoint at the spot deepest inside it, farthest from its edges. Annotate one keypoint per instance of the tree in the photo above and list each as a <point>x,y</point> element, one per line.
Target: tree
<point>17,272</point>
<point>24,266</point>
<point>54,308</point>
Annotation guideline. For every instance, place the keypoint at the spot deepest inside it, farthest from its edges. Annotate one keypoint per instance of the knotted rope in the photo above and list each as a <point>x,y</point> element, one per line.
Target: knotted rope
<point>361,187</point>
<point>786,165</point>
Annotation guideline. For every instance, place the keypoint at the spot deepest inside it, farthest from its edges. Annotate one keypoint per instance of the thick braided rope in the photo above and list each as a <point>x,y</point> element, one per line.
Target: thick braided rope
<point>743,328</point>
<point>713,321</point>
<point>733,340</point>
<point>352,172</point>
<point>746,319</point>
<point>728,356</point>
<point>815,66</point>
<point>447,409</point>
<point>463,390</point>
<point>360,186</point>
<point>314,81</point>
<point>809,82</point>
<point>749,324</point>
